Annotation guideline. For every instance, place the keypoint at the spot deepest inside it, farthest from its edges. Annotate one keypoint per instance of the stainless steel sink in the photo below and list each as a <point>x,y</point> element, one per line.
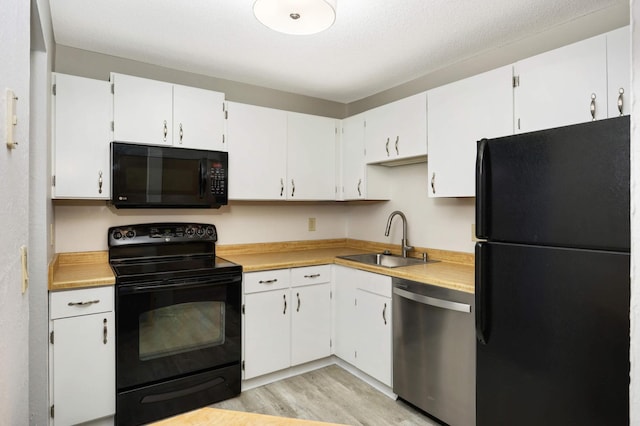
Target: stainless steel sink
<point>386,260</point>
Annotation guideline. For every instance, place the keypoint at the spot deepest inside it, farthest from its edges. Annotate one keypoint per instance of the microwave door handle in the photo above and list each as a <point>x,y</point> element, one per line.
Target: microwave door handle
<point>203,178</point>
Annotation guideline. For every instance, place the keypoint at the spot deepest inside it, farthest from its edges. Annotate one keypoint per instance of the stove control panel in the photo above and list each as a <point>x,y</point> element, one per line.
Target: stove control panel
<point>161,233</point>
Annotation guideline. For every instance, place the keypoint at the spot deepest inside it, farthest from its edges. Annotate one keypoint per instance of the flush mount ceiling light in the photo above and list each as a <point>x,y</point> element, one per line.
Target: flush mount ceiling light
<point>299,17</point>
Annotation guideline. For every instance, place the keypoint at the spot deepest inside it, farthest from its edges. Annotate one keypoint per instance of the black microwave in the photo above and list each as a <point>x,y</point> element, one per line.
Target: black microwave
<point>149,176</point>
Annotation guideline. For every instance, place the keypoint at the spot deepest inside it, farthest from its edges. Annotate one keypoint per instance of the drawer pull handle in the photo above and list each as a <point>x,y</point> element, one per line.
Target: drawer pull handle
<point>284,311</point>
<point>298,296</point>
<point>275,280</point>
<point>312,276</point>
<point>87,303</point>
<point>104,332</point>
<point>592,107</point>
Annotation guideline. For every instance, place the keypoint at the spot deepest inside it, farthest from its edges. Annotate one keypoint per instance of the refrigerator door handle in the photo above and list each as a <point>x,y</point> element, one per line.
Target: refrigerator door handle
<point>482,177</point>
<point>482,310</point>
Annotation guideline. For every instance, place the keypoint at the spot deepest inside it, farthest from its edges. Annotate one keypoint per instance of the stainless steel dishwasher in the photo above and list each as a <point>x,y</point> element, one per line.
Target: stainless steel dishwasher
<point>434,352</point>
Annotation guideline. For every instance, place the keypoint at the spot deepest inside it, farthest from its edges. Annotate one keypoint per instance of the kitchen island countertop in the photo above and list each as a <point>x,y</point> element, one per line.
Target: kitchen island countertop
<point>215,416</point>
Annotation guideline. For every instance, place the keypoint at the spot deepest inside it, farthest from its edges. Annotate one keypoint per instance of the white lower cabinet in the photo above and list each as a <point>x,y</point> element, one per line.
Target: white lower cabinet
<point>287,318</point>
<point>363,321</point>
<point>82,355</point>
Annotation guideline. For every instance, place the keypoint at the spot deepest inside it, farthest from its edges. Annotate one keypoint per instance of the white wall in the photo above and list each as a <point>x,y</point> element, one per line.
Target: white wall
<point>83,226</point>
<point>14,214</point>
<point>443,223</point>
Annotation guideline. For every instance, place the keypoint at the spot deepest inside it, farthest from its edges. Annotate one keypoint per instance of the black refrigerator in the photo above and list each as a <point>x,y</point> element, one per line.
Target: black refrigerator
<point>552,276</point>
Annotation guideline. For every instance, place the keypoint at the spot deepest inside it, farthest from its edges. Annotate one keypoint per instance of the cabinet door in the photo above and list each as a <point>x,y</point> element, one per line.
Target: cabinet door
<point>619,71</point>
<point>373,352</point>
<point>142,110</point>
<point>311,152</point>
<point>198,118</point>
<point>257,152</point>
<point>267,329</point>
<point>460,114</point>
<point>353,185</point>
<point>556,88</point>
<point>410,117</point>
<point>310,323</point>
<point>346,327</point>
<point>81,129</point>
<point>83,368</point>
<point>397,131</point>
<point>378,134</point>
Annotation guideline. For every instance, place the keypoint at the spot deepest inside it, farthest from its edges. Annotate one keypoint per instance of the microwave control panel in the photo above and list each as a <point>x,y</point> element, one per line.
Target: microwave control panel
<point>218,179</point>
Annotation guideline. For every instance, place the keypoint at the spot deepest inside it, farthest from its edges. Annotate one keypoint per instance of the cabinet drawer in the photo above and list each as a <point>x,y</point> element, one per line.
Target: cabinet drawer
<point>310,275</point>
<point>376,284</point>
<point>85,301</point>
<point>255,282</point>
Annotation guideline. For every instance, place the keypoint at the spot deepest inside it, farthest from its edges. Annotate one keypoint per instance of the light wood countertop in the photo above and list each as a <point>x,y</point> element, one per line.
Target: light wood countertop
<point>454,270</point>
<point>215,416</point>
<point>80,270</point>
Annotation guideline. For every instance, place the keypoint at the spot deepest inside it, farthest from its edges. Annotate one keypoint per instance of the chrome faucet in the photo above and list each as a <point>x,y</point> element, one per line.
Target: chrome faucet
<point>405,246</point>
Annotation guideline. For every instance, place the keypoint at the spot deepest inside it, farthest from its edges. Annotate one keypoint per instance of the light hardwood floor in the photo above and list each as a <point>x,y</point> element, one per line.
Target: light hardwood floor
<point>330,394</point>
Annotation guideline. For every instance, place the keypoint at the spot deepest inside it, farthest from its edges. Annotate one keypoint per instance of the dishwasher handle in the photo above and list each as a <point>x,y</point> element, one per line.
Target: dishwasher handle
<point>432,301</point>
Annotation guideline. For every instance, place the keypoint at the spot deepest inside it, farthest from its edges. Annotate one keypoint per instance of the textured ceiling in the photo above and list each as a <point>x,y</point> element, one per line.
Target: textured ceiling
<point>374,44</point>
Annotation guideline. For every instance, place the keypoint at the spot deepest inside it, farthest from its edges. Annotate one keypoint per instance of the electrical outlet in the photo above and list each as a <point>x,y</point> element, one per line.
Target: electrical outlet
<point>312,224</point>
<point>473,232</point>
<point>25,268</point>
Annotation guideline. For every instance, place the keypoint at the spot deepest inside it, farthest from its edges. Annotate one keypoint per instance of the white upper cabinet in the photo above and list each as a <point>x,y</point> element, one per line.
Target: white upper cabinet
<point>619,71</point>
<point>311,153</point>
<point>562,87</point>
<point>81,129</point>
<point>460,114</point>
<point>397,132</point>
<point>159,113</point>
<point>257,152</point>
<point>280,155</point>
<point>198,118</point>
<point>142,110</point>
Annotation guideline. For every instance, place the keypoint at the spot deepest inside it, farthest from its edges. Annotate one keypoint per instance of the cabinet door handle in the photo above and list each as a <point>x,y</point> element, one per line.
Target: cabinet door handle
<point>359,183</point>
<point>281,187</point>
<point>104,331</point>
<point>275,280</point>
<point>164,131</point>
<point>181,133</point>
<point>293,187</point>
<point>384,314</point>
<point>620,100</point>
<point>433,182</point>
<point>86,303</point>
<point>312,276</point>
<point>298,296</point>
<point>592,107</point>
<point>284,311</point>
<point>397,140</point>
<point>100,182</point>
<point>387,147</point>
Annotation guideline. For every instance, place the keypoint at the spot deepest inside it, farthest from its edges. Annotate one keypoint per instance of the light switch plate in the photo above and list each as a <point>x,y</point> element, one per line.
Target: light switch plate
<point>312,224</point>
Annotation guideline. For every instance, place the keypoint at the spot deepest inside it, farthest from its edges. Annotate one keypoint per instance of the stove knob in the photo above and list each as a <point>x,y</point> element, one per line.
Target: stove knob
<point>200,232</point>
<point>210,231</point>
<point>130,234</point>
<point>117,235</point>
<point>190,231</point>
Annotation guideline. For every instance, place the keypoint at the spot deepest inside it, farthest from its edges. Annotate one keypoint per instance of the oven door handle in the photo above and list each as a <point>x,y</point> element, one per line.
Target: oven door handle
<point>176,284</point>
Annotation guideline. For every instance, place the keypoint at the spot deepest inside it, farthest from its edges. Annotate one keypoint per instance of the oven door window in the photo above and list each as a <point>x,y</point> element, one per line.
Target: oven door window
<point>182,328</point>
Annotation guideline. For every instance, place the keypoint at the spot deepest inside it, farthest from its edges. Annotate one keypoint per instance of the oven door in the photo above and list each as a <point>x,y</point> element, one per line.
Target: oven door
<point>171,329</point>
